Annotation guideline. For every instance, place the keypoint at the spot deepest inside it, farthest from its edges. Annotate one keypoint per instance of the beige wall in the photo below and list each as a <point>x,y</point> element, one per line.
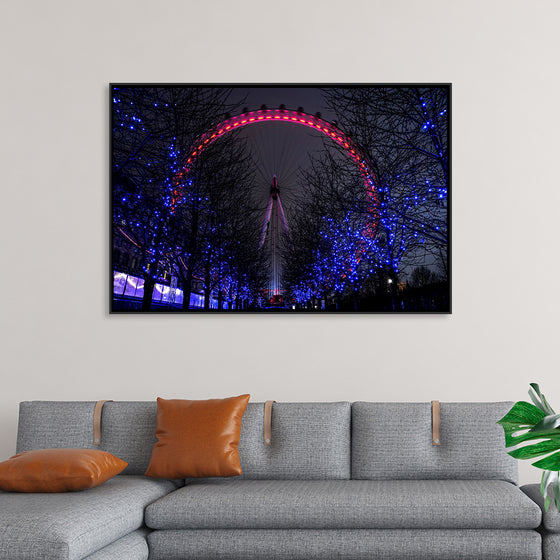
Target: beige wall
<point>57,59</point>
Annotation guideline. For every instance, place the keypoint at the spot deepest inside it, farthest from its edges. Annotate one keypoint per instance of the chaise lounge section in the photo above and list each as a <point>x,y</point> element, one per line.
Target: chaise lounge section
<point>102,523</point>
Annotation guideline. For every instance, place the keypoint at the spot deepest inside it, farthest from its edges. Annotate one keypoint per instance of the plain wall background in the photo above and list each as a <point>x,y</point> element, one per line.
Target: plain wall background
<point>57,339</point>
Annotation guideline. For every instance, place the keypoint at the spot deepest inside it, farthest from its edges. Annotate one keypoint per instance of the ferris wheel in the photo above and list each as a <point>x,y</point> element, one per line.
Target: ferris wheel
<point>275,232</point>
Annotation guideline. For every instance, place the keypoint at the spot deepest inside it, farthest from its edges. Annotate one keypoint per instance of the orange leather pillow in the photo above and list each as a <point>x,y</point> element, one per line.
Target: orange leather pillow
<point>197,438</point>
<point>58,470</point>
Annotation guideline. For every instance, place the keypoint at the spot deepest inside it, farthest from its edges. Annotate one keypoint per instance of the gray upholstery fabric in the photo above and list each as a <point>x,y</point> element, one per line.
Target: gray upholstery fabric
<point>344,545</point>
<point>310,441</point>
<point>131,547</point>
<point>345,504</point>
<point>71,525</point>
<point>127,428</point>
<point>394,441</point>
<point>551,518</point>
<point>551,546</point>
<point>53,424</point>
<point>128,431</point>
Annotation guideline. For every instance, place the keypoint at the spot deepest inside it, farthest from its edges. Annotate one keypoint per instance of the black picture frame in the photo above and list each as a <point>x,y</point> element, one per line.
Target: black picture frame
<point>374,236</point>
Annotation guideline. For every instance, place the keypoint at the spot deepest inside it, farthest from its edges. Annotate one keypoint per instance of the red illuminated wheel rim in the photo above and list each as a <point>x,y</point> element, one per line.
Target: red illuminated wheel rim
<point>291,117</point>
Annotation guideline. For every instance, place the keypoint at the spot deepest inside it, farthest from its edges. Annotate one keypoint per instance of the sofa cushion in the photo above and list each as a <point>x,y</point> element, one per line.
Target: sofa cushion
<point>197,438</point>
<point>51,424</point>
<point>310,441</point>
<point>58,470</point>
<point>357,544</point>
<point>72,525</point>
<point>394,441</point>
<point>345,504</point>
<point>128,430</point>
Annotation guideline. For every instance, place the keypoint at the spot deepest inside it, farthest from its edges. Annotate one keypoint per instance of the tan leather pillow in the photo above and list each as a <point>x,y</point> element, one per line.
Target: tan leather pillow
<point>58,470</point>
<point>197,438</point>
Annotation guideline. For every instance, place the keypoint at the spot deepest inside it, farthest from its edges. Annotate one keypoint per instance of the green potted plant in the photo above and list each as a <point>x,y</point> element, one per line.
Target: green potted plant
<point>534,431</point>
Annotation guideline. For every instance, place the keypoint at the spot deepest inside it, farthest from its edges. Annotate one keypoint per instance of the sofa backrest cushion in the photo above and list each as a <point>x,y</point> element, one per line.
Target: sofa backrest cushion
<point>394,441</point>
<point>309,440</point>
<point>46,424</point>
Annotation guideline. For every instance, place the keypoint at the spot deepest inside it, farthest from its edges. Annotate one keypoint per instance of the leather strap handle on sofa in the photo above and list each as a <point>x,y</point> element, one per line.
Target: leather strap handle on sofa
<point>97,410</point>
<point>268,422</point>
<point>435,423</point>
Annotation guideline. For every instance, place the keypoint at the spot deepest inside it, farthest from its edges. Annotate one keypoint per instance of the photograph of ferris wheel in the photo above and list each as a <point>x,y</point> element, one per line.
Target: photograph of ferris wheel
<point>280,198</point>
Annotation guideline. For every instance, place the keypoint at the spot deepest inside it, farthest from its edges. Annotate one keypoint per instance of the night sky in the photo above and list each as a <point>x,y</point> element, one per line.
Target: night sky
<point>310,98</point>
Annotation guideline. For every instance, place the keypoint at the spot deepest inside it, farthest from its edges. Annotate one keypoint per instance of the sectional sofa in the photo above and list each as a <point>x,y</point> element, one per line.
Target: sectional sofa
<point>337,480</point>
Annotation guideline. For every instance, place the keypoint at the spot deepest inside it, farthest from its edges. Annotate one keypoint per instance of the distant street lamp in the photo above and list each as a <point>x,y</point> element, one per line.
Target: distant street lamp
<point>390,289</point>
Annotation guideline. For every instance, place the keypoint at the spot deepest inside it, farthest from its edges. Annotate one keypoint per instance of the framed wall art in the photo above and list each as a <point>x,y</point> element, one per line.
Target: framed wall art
<point>280,198</point>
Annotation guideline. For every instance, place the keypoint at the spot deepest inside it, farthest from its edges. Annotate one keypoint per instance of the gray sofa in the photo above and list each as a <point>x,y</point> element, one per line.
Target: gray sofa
<point>339,480</point>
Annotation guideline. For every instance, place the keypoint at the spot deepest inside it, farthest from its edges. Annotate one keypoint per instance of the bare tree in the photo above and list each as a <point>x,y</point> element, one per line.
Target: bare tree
<point>403,134</point>
<point>152,130</point>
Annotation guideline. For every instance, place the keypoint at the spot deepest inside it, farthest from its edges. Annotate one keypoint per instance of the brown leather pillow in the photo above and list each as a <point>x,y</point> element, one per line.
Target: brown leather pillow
<point>197,438</point>
<point>58,470</point>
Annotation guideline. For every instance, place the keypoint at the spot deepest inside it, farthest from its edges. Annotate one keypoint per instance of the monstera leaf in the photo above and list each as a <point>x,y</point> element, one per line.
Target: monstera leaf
<point>534,431</point>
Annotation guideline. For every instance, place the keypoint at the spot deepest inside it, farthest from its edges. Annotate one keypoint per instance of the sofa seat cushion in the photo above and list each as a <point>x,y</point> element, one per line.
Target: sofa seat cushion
<point>73,525</point>
<point>345,504</point>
